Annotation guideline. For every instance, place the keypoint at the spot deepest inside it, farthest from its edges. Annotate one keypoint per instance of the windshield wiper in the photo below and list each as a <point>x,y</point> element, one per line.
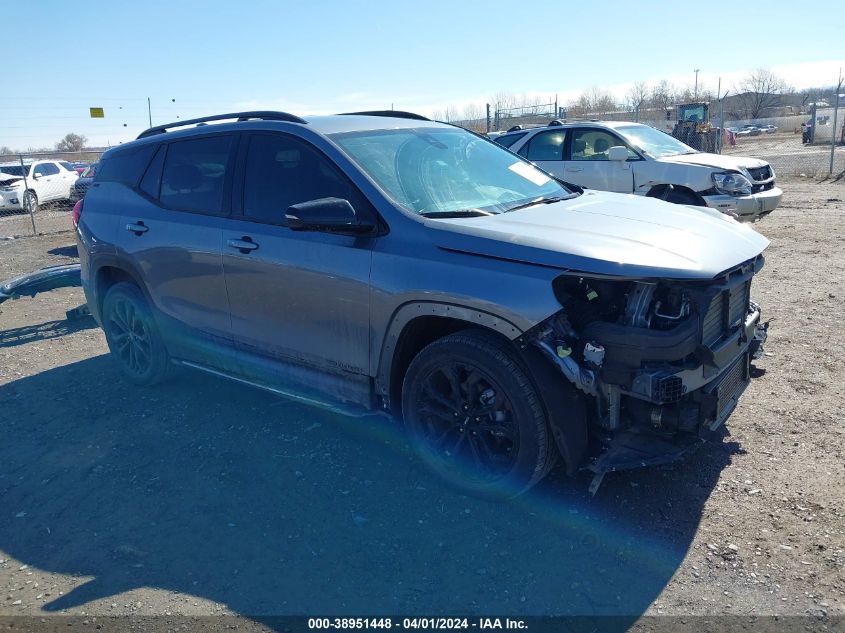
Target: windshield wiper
<point>542,200</point>
<point>459,213</point>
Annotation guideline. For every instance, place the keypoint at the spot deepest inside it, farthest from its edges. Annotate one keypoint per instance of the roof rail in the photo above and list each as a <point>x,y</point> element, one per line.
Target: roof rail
<point>556,122</point>
<point>264,115</point>
<point>398,114</point>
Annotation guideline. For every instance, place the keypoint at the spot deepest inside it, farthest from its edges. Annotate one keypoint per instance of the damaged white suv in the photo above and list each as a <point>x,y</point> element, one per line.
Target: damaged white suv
<point>23,187</point>
<point>633,158</point>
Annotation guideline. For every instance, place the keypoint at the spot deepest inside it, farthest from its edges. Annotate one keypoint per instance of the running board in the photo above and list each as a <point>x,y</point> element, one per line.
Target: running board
<point>350,411</point>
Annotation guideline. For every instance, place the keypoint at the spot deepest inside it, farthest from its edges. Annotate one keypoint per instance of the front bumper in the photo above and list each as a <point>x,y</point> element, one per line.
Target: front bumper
<point>11,200</point>
<point>746,207</point>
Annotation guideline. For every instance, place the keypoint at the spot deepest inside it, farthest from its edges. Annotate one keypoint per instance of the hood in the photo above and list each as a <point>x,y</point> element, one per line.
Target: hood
<point>609,234</point>
<point>8,179</point>
<point>717,161</point>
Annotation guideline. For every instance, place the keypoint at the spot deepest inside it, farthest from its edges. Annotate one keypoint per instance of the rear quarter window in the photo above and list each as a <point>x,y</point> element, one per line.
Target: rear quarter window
<point>125,166</point>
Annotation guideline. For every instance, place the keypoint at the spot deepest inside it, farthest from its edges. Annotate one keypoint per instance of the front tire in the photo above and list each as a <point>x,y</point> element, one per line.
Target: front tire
<point>132,335</point>
<point>683,197</point>
<point>474,417</point>
<point>30,202</point>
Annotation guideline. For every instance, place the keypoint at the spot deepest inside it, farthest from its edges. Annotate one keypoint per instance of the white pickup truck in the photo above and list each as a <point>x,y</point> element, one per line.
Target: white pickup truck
<point>633,158</point>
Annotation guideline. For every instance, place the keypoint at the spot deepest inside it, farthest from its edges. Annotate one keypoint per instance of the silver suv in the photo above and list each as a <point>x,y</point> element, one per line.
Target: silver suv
<point>633,158</point>
<point>382,262</point>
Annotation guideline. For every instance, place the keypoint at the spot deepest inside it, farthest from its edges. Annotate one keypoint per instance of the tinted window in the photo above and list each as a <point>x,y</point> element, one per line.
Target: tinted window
<point>12,170</point>
<point>282,171</point>
<point>592,144</point>
<point>545,146</point>
<point>126,165</point>
<point>194,172</point>
<point>67,166</point>
<point>46,169</point>
<point>151,182</point>
<point>509,139</point>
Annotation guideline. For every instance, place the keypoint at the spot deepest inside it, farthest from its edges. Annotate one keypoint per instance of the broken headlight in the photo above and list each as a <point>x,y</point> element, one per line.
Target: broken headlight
<point>732,183</point>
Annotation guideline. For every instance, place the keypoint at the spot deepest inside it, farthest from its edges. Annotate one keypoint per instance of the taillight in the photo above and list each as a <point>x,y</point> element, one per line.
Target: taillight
<point>77,211</point>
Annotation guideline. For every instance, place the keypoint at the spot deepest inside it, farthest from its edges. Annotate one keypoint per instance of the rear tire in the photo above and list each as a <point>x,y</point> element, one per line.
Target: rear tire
<point>474,417</point>
<point>132,335</point>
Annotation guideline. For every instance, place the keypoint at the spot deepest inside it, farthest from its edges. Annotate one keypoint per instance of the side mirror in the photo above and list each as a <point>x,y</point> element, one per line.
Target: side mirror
<point>328,215</point>
<point>618,153</point>
<point>36,176</point>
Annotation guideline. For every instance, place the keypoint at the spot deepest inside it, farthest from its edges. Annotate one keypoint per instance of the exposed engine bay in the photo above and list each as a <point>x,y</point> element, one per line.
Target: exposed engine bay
<point>663,362</point>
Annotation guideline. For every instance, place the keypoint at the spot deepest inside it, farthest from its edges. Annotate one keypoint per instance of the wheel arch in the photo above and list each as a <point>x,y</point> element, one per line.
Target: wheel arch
<point>663,191</point>
<point>110,272</point>
<point>413,326</point>
<point>416,325</point>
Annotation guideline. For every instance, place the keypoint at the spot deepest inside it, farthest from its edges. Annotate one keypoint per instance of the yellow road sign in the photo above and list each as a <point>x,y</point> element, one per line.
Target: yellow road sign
<point>97,113</point>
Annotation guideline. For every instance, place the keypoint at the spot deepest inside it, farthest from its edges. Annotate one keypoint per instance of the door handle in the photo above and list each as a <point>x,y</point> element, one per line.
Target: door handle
<point>574,169</point>
<point>138,228</point>
<point>244,245</point>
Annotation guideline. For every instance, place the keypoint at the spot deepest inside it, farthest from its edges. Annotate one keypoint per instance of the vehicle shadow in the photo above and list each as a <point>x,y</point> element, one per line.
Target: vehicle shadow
<point>45,331</point>
<point>66,251</point>
<point>273,508</point>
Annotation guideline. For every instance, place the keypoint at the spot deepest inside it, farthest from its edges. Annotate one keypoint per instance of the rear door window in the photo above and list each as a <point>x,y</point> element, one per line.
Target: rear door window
<point>509,139</point>
<point>545,146</point>
<point>194,174</point>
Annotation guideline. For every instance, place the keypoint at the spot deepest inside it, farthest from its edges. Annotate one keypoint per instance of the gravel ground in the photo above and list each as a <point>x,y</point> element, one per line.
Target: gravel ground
<point>203,498</point>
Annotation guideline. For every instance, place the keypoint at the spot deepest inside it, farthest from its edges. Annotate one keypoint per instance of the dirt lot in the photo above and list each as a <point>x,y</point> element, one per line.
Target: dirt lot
<point>205,498</point>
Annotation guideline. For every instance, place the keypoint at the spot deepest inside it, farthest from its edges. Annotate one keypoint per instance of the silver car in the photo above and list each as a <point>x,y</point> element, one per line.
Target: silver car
<point>384,263</point>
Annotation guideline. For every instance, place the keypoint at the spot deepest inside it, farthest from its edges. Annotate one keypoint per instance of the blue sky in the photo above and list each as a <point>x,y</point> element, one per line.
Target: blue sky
<point>325,56</point>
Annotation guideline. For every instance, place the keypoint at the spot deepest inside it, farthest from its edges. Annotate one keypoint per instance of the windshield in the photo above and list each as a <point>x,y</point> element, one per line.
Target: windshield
<point>440,171</point>
<point>12,170</point>
<point>654,142</point>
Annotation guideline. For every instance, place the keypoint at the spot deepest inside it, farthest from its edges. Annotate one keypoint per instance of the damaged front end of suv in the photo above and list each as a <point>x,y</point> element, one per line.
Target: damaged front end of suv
<point>662,362</point>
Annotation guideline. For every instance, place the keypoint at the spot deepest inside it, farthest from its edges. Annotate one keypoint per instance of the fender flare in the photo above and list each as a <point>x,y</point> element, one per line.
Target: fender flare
<point>407,312</point>
<point>111,260</point>
<point>566,408</point>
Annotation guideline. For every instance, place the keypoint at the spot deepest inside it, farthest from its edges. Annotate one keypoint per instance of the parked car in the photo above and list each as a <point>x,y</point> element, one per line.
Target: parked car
<point>382,262</point>
<point>634,158</point>
<point>769,129</point>
<point>752,130</point>
<point>25,187</point>
<point>83,182</point>
<point>80,167</point>
<point>739,131</point>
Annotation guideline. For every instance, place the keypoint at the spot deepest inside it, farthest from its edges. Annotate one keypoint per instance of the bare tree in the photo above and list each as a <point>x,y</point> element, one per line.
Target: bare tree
<point>663,95</point>
<point>504,100</point>
<point>760,90</point>
<point>72,143</point>
<point>474,112</point>
<point>594,100</point>
<point>637,95</point>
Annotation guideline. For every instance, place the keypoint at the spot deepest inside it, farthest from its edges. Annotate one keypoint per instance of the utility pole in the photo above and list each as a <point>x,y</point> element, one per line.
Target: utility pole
<point>695,98</point>
<point>149,112</point>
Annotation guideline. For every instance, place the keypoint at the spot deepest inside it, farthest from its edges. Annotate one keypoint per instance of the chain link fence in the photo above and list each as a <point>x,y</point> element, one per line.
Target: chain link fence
<point>798,139</point>
<point>38,190</point>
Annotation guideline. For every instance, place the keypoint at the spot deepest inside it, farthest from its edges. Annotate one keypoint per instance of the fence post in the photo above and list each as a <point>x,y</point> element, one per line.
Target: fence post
<point>25,190</point>
<point>833,129</point>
